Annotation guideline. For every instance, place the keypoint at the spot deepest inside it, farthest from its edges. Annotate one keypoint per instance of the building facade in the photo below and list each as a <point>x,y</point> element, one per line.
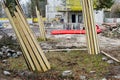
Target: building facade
<point>51,9</point>
<point>70,11</point>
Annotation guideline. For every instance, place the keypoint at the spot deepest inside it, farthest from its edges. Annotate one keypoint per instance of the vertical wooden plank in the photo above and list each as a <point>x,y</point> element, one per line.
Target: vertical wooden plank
<point>94,29</point>
<point>27,57</point>
<point>31,43</point>
<point>90,27</point>
<point>34,40</point>
<point>23,47</point>
<point>28,43</point>
<point>86,28</point>
<point>38,60</point>
<point>36,53</point>
<point>88,21</point>
<point>41,24</point>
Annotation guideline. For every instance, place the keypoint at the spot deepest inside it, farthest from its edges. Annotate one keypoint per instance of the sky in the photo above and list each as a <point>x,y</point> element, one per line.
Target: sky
<point>24,1</point>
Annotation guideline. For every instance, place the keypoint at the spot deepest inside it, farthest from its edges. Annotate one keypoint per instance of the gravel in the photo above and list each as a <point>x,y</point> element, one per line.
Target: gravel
<point>67,73</point>
<point>7,73</point>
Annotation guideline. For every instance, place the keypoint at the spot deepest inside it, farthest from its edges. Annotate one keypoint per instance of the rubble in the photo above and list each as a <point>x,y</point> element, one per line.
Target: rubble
<point>7,73</point>
<point>110,61</point>
<point>67,73</point>
<point>104,59</point>
<point>112,31</point>
<point>7,52</point>
<point>104,79</point>
<point>4,61</point>
<point>117,76</point>
<point>82,77</point>
<point>92,72</point>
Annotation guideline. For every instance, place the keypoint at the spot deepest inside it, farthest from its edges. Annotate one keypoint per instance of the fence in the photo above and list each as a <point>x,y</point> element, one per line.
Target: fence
<point>73,26</point>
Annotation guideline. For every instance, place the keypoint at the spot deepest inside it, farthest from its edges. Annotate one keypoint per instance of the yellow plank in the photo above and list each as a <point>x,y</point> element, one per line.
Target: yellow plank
<point>41,24</point>
<point>19,38</point>
<point>36,52</point>
<point>27,42</point>
<point>23,47</point>
<point>86,28</point>
<point>35,40</point>
<point>94,29</point>
<point>38,55</point>
<point>12,22</point>
<point>90,27</point>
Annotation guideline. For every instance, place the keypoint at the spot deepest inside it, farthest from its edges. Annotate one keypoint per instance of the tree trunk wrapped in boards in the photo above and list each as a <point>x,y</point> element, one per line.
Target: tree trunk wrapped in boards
<point>32,52</point>
<point>93,47</point>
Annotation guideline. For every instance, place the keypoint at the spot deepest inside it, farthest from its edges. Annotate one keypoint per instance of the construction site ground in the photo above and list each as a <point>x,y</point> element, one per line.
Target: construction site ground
<point>80,63</point>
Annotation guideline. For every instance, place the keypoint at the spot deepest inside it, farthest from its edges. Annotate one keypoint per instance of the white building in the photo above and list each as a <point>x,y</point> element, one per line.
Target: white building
<point>51,9</point>
<point>72,16</point>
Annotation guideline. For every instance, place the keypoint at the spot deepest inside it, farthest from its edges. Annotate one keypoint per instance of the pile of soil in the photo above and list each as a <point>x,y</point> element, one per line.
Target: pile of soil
<point>112,32</point>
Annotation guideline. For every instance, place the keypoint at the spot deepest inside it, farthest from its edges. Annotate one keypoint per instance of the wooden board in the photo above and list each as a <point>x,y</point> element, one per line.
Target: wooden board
<point>33,54</point>
<point>27,58</point>
<point>34,40</point>
<point>27,42</point>
<point>92,41</point>
<point>41,24</point>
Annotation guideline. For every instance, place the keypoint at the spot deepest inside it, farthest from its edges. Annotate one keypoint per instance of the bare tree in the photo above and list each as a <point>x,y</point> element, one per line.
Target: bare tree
<point>1,10</point>
<point>115,10</point>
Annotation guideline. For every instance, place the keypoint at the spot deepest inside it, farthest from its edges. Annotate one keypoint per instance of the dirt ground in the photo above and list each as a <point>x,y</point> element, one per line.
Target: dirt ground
<point>79,63</point>
<point>111,46</point>
<point>82,65</point>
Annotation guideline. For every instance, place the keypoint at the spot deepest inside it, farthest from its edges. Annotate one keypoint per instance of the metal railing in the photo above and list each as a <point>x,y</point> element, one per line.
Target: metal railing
<point>73,26</point>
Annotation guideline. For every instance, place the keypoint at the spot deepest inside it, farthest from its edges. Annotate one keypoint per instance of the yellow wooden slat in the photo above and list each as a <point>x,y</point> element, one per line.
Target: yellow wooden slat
<point>27,42</point>
<point>34,40</point>
<point>86,28</point>
<point>94,29</point>
<point>93,47</point>
<point>41,25</point>
<point>36,52</point>
<point>89,28</point>
<point>31,47</point>
<point>23,47</point>
<point>27,57</point>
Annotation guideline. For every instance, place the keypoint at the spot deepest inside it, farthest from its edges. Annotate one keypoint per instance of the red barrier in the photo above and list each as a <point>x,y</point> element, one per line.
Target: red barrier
<point>56,32</point>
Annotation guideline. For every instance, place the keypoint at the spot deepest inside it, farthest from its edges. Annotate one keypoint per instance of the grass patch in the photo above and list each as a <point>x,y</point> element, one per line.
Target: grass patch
<point>80,62</point>
<point>77,61</point>
<point>17,64</point>
<point>42,40</point>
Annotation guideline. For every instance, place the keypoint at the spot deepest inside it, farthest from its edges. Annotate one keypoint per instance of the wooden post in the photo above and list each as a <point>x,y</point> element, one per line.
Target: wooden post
<point>90,27</point>
<point>27,58</point>
<point>41,24</point>
<point>33,38</point>
<point>32,52</point>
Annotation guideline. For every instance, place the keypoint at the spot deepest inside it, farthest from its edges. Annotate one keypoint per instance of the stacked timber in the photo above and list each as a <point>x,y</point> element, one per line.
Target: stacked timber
<point>92,40</point>
<point>41,24</point>
<point>32,52</point>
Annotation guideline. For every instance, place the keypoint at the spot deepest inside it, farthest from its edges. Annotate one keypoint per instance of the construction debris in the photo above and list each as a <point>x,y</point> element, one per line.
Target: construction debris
<point>104,59</point>
<point>112,32</point>
<point>67,73</point>
<point>110,61</point>
<point>8,52</point>
<point>7,73</point>
<point>110,56</point>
